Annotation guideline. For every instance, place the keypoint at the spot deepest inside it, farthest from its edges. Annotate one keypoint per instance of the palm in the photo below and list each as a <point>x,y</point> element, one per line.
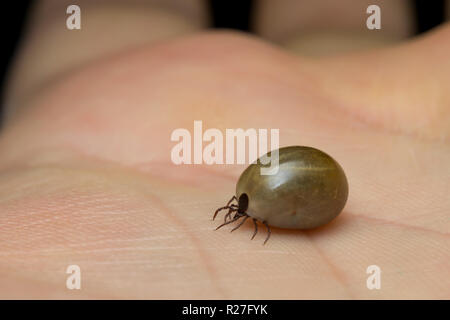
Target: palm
<point>102,192</point>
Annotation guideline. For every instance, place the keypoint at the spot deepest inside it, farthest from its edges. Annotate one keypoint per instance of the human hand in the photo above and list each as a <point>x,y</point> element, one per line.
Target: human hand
<point>86,176</point>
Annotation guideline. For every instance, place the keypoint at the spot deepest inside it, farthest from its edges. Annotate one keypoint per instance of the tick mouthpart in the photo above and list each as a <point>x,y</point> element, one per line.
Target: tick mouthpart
<point>243,203</point>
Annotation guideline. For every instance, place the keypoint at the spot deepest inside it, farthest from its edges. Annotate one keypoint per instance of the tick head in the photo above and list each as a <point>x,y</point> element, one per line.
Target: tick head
<point>243,203</point>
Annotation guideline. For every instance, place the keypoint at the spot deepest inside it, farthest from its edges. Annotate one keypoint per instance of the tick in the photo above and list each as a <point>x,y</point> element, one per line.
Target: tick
<point>309,190</point>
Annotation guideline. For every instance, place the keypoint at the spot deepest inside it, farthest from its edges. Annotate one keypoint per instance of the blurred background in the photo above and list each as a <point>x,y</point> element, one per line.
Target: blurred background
<point>236,15</point>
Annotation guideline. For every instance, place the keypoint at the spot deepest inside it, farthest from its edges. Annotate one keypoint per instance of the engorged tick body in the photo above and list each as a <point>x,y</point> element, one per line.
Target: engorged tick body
<point>309,190</point>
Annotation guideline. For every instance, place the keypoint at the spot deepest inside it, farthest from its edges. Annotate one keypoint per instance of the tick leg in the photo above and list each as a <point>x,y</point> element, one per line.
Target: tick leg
<point>220,209</point>
<point>231,200</point>
<point>228,222</point>
<point>239,214</point>
<point>228,215</point>
<point>256,228</point>
<point>268,231</point>
<point>234,208</point>
<point>240,224</point>
<point>225,207</point>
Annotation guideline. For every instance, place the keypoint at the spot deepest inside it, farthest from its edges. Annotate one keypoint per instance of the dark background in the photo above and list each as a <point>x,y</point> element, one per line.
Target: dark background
<point>226,14</point>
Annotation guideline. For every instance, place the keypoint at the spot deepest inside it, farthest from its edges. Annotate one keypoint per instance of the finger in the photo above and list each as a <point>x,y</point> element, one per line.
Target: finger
<point>49,49</point>
<point>405,88</point>
<point>328,27</point>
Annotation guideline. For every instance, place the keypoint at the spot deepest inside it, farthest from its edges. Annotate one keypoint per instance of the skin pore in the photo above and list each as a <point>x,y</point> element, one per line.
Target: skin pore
<point>86,176</point>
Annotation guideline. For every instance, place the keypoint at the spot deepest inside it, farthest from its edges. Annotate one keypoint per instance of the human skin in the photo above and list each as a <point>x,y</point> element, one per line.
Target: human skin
<point>86,176</point>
